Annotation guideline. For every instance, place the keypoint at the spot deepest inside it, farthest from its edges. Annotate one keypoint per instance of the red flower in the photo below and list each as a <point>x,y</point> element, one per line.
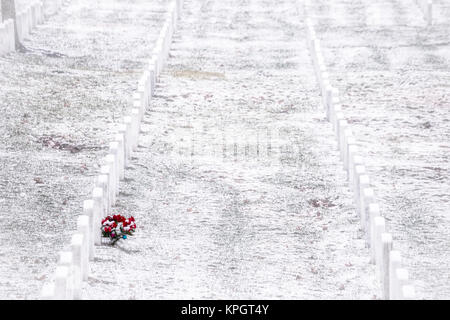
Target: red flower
<point>109,231</point>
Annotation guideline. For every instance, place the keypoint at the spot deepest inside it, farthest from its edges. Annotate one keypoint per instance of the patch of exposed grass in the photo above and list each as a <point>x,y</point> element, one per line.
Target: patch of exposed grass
<point>197,74</point>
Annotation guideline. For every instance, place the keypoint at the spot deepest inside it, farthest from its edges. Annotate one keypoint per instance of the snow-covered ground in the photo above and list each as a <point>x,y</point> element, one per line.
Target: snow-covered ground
<point>59,103</point>
<point>215,220</point>
<point>237,187</point>
<point>393,73</point>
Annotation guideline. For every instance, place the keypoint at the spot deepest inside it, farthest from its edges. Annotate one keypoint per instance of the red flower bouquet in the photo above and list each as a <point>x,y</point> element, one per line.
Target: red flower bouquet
<point>117,227</point>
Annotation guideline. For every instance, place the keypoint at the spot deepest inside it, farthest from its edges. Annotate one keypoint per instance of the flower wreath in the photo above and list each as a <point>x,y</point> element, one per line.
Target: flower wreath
<point>117,227</point>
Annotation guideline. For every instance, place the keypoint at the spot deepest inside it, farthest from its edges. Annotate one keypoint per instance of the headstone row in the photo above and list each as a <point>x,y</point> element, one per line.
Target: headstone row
<point>393,277</point>
<point>27,19</point>
<point>73,265</point>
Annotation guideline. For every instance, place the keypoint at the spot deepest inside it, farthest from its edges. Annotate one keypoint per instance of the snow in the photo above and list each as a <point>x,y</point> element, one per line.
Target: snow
<point>280,225</point>
<point>72,87</point>
<point>237,187</point>
<point>393,80</point>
